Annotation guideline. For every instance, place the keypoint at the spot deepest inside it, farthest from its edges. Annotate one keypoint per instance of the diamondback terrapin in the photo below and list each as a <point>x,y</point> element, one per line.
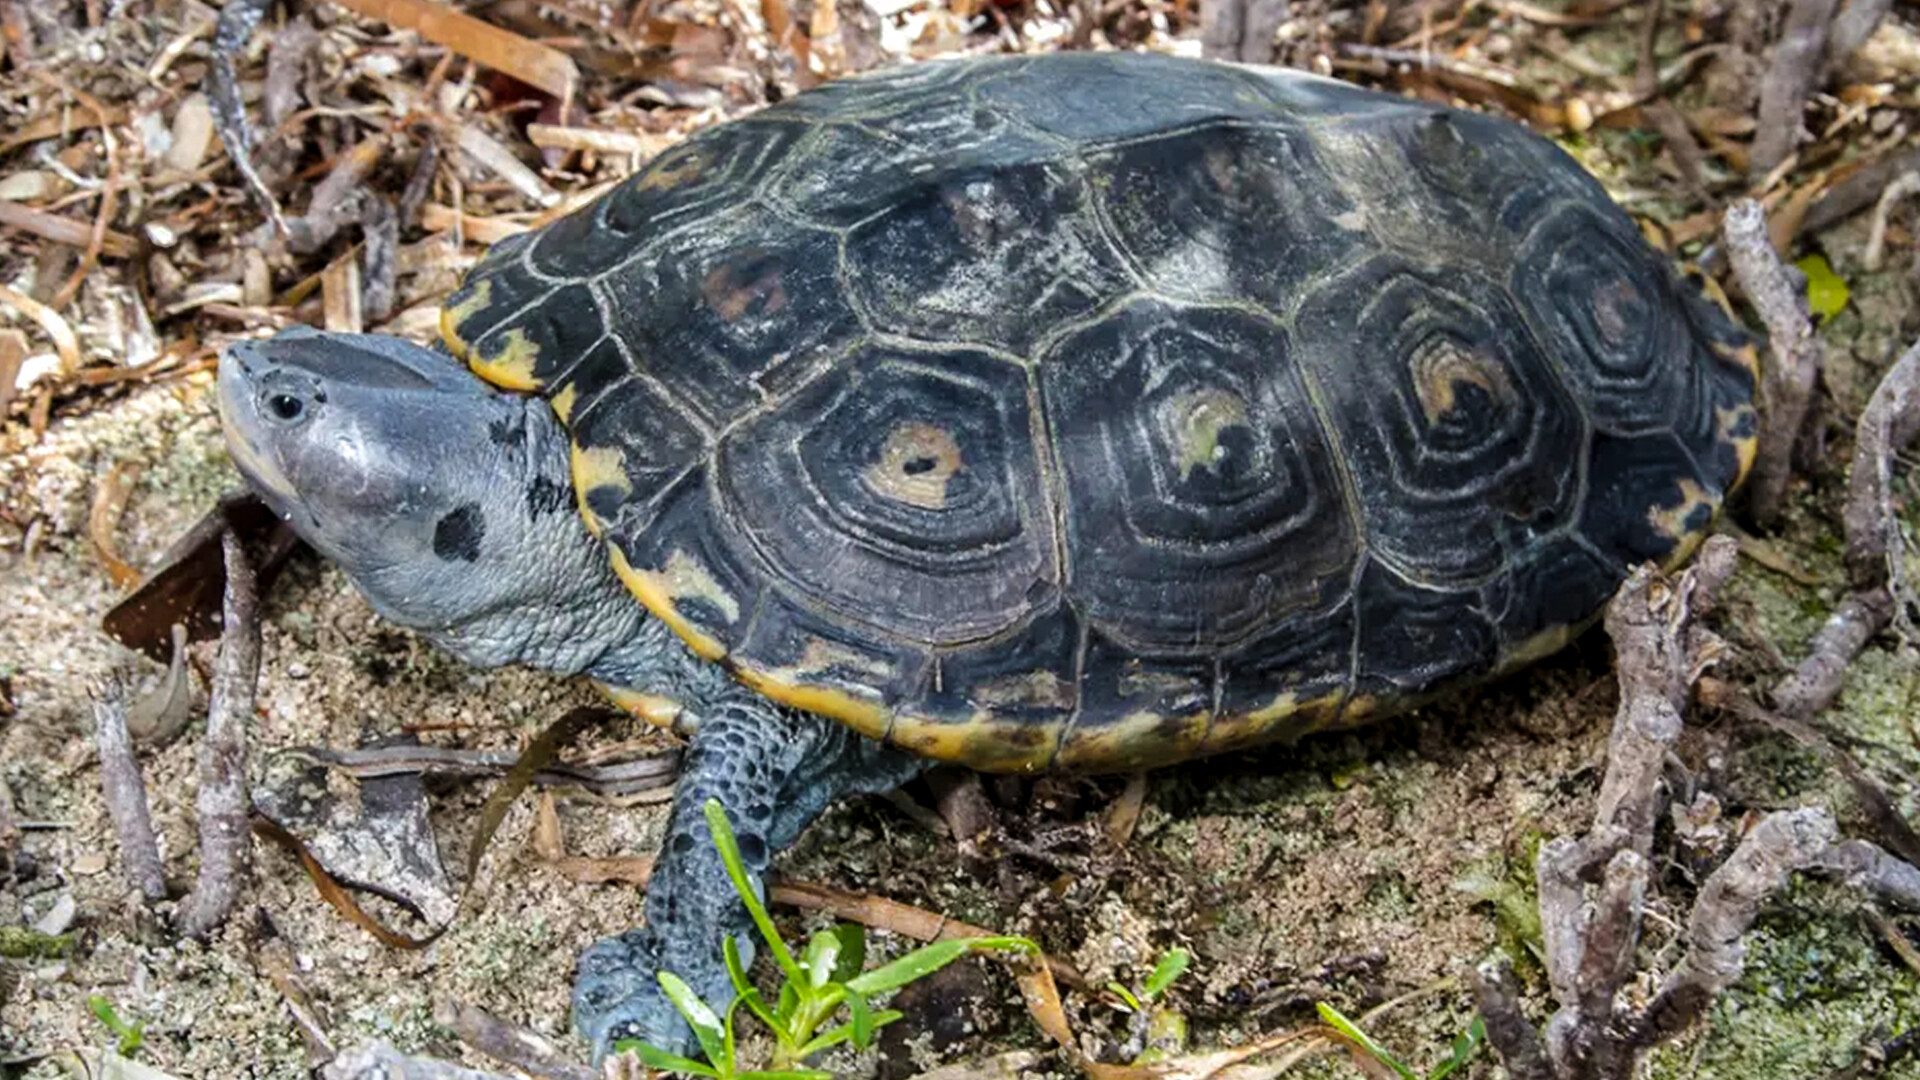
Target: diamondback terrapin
<point>1079,411</point>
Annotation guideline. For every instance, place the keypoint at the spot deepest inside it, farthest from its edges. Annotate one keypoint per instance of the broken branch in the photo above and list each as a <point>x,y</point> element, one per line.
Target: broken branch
<point>222,802</point>
<point>1797,357</point>
<point>125,790</point>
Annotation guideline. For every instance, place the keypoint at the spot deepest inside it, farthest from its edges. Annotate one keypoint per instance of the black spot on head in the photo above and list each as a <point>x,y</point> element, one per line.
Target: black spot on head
<point>546,497</point>
<point>458,535</point>
<point>507,431</point>
<point>916,466</point>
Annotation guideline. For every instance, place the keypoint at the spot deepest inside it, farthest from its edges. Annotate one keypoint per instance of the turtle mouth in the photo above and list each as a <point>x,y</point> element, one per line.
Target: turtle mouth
<point>247,436</point>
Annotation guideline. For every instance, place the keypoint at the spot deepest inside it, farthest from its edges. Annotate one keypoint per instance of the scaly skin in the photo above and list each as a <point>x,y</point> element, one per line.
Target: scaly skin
<point>450,507</point>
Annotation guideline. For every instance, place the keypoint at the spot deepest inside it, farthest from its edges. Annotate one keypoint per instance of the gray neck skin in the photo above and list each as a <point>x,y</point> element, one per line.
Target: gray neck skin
<point>450,506</point>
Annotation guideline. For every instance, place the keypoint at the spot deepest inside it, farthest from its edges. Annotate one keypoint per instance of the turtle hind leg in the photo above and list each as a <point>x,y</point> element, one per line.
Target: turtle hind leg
<point>774,770</point>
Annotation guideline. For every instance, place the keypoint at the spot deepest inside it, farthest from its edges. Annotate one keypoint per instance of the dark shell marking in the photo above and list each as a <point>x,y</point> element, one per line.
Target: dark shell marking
<point>1106,410</point>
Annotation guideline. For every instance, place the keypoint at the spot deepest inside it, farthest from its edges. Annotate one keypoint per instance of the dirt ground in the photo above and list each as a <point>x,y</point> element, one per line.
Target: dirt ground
<point>1353,869</point>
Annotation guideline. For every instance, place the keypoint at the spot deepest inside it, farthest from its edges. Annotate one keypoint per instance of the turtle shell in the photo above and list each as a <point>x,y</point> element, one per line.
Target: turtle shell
<point>1103,410</point>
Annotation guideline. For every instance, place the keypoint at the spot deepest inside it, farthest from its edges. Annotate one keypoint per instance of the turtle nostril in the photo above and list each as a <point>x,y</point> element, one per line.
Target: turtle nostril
<point>286,406</point>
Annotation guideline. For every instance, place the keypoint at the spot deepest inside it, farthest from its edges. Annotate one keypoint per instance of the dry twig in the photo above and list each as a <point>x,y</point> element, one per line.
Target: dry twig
<point>1789,79</point>
<point>1852,27</point>
<point>528,1051</point>
<point>1890,421</point>
<point>1686,152</point>
<point>237,20</point>
<point>9,828</point>
<point>1797,356</point>
<point>125,790</point>
<point>1590,944</point>
<point>222,802</point>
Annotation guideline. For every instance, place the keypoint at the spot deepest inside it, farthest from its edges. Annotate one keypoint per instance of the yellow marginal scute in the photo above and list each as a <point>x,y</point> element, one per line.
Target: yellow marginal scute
<point>982,741</point>
<point>1744,446</point>
<point>563,402</point>
<point>1539,646</point>
<point>1287,716</point>
<point>866,715</point>
<point>511,368</point>
<point>1671,521</point>
<point>651,589</point>
<point>451,317</point>
<point>1136,740</point>
<point>596,467</point>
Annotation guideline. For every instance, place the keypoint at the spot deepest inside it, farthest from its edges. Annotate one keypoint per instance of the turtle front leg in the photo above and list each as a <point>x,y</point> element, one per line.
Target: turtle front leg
<point>774,770</point>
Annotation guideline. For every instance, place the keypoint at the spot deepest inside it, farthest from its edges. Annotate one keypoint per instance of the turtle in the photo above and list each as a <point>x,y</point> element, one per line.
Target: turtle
<point>1087,411</point>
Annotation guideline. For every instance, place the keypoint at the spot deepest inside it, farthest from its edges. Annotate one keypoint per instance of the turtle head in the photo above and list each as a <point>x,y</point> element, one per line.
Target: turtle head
<point>447,503</point>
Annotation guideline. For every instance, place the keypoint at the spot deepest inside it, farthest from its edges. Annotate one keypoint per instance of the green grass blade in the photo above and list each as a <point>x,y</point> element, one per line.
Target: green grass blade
<point>1464,1046</point>
<point>745,993</point>
<point>729,848</point>
<point>1125,995</point>
<point>1338,1021</point>
<point>844,1033</point>
<point>700,1016</point>
<point>859,1020</point>
<point>928,959</point>
<point>1173,964</point>
<point>660,1059</point>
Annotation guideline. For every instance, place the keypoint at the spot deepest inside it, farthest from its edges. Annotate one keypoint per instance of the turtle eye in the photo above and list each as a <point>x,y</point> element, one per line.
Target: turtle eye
<point>286,407</point>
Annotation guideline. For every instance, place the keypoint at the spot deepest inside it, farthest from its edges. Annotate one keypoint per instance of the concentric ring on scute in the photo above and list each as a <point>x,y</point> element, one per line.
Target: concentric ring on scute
<point>1204,504</point>
<point>1460,440</point>
<point>900,491</point>
<point>1612,322</point>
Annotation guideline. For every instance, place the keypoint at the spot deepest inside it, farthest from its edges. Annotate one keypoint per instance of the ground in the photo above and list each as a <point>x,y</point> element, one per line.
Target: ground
<point>1352,869</point>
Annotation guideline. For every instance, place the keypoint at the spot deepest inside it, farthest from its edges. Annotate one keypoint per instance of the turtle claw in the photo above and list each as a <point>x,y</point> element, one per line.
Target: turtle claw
<point>617,997</point>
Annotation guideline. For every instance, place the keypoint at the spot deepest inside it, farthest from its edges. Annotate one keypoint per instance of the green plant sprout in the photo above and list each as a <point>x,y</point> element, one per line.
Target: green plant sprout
<point>1173,964</point>
<point>130,1035</point>
<point>1153,1033</point>
<point>1464,1044</point>
<point>818,984</point>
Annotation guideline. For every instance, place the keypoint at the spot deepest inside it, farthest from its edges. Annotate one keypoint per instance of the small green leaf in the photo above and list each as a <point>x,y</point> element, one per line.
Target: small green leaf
<point>1336,1020</point>
<point>729,849</point>
<point>1125,995</point>
<point>700,1017</point>
<point>789,1001</point>
<point>1464,1045</point>
<point>822,957</point>
<point>1826,291</point>
<point>1173,964</point>
<point>844,1032</point>
<point>860,1020</point>
<point>928,959</point>
<point>660,1059</point>
<point>853,951</point>
<point>129,1036</point>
